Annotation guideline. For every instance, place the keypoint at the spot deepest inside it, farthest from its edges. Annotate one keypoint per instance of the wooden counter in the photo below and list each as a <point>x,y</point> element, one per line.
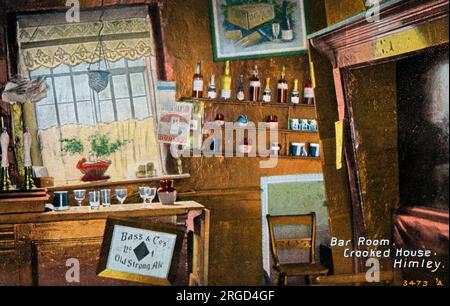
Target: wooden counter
<point>35,248</point>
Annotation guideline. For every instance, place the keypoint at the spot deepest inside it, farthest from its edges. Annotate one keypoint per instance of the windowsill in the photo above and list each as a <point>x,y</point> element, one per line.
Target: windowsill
<point>90,185</point>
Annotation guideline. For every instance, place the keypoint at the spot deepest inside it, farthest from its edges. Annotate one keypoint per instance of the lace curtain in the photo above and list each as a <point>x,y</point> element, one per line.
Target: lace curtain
<point>50,45</point>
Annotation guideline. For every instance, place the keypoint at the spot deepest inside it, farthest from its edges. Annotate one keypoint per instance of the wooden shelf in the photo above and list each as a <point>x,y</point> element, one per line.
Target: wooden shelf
<point>196,155</point>
<point>281,131</point>
<point>91,185</point>
<point>248,103</point>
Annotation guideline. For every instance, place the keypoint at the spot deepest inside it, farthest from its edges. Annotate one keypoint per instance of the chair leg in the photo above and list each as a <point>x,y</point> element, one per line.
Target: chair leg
<point>307,280</point>
<point>282,279</point>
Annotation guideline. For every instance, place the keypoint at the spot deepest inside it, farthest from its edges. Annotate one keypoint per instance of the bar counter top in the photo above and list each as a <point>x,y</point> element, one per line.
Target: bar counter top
<point>85,213</point>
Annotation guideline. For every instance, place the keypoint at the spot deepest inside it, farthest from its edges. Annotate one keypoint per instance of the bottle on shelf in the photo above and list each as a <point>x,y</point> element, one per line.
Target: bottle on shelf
<point>283,87</point>
<point>240,91</point>
<point>287,33</point>
<point>295,95</point>
<point>308,94</point>
<point>225,92</point>
<point>197,86</point>
<point>212,90</point>
<point>255,86</point>
<point>267,94</point>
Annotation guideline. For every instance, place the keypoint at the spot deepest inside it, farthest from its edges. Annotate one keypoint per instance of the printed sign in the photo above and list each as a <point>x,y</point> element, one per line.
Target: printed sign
<point>141,252</point>
<point>175,123</point>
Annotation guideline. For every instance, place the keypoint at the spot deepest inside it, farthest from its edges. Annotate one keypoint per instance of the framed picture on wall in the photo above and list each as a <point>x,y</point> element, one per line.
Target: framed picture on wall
<point>248,29</point>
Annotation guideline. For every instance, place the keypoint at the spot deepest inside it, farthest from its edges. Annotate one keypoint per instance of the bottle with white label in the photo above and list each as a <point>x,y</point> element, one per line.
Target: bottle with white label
<point>283,88</point>
<point>308,94</point>
<point>197,86</point>
<point>295,95</point>
<point>255,86</point>
<point>212,92</point>
<point>267,94</point>
<point>225,92</point>
<point>240,91</point>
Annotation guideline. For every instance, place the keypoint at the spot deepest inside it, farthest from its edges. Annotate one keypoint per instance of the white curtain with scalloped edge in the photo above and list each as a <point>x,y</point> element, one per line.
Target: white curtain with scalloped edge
<point>64,53</point>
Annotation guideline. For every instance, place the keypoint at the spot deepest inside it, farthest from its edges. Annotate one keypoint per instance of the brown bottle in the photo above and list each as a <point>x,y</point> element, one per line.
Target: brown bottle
<point>308,94</point>
<point>255,86</point>
<point>197,85</point>
<point>283,88</point>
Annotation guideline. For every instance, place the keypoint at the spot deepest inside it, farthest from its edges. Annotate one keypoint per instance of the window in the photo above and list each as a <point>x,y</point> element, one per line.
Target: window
<point>122,113</point>
<point>70,100</point>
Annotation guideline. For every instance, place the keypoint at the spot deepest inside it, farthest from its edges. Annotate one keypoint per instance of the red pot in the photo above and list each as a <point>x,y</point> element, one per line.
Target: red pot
<point>93,171</point>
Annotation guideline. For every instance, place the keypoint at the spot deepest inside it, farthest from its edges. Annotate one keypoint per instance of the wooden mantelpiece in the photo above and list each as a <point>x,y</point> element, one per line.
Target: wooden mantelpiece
<point>403,28</point>
<point>359,41</point>
<point>93,185</point>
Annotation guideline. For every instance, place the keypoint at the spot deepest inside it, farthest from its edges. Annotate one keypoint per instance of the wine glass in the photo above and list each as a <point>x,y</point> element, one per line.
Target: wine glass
<point>151,194</point>
<point>143,194</point>
<point>79,196</point>
<point>276,30</point>
<point>121,195</point>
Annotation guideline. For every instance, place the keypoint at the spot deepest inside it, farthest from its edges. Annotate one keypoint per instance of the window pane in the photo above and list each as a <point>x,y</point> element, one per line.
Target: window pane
<point>46,116</point>
<point>106,111</point>
<point>141,108</point>
<point>67,114</point>
<point>63,86</point>
<point>38,72</point>
<point>120,86</point>
<point>49,100</point>
<point>83,67</point>
<point>85,113</point>
<point>137,63</point>
<point>138,84</point>
<point>61,69</point>
<point>118,64</point>
<point>123,109</point>
<point>82,89</point>
<point>106,94</point>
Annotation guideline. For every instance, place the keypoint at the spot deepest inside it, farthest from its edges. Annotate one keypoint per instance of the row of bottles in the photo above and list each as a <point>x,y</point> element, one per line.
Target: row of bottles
<point>256,94</point>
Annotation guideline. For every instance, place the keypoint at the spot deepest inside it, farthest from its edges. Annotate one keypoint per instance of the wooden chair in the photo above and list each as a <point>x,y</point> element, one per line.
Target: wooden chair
<point>304,269</point>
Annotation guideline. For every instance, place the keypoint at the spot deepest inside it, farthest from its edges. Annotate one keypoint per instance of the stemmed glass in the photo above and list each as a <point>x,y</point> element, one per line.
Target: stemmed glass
<point>151,194</point>
<point>79,196</point>
<point>143,193</point>
<point>121,195</point>
<point>276,30</point>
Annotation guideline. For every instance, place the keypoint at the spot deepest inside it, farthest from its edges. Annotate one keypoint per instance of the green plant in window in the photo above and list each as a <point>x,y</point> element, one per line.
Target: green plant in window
<point>101,146</point>
<point>72,146</point>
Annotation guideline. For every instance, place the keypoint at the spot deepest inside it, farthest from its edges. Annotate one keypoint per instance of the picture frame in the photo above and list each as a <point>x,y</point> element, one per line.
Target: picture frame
<point>252,29</point>
<point>121,257</point>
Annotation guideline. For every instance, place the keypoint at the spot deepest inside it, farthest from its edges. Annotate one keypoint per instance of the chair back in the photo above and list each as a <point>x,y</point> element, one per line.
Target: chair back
<point>305,242</point>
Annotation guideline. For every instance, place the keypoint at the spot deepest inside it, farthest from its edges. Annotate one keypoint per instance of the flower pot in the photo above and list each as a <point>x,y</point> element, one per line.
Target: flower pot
<point>93,171</point>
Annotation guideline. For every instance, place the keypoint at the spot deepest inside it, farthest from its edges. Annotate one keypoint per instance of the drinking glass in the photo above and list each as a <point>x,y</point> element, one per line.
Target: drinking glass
<point>94,200</point>
<point>79,196</point>
<point>106,197</point>
<point>143,194</point>
<point>121,195</point>
<point>276,30</point>
<point>151,194</point>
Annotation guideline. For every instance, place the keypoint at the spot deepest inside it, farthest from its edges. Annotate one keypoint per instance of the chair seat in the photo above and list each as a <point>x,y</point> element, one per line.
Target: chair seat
<point>300,269</point>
